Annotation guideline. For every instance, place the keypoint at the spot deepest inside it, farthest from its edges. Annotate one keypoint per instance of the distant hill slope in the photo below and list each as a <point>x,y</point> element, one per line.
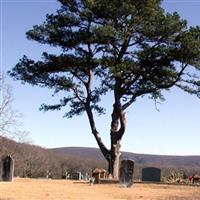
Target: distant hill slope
<point>35,161</point>
<point>140,159</point>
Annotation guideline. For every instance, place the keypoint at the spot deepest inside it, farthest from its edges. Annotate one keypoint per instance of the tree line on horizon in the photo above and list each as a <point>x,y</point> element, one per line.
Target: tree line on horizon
<point>33,161</point>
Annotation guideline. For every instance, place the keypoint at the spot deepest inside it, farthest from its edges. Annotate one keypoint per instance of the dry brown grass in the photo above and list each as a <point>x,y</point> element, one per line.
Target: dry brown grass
<point>38,189</point>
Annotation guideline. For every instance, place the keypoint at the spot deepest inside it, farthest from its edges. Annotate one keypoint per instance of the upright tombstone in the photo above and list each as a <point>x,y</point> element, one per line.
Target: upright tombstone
<point>151,174</point>
<point>7,168</point>
<point>76,176</point>
<point>126,173</point>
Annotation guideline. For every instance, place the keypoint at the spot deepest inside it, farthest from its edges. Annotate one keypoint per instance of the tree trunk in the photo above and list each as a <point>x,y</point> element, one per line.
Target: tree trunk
<point>118,125</point>
<point>115,158</point>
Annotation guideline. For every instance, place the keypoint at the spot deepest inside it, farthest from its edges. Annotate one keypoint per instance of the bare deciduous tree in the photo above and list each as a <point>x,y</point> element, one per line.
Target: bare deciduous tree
<point>10,119</point>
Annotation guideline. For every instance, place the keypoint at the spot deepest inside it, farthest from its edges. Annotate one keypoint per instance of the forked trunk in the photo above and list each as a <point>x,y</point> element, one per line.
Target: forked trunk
<point>118,125</point>
<point>117,130</point>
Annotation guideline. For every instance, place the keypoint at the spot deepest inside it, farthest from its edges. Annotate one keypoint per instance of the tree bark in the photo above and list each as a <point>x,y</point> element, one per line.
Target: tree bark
<point>113,155</point>
<point>118,126</point>
<point>96,134</point>
<point>115,159</point>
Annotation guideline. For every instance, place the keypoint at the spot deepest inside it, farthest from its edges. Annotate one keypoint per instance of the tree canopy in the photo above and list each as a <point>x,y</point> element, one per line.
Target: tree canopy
<point>127,47</point>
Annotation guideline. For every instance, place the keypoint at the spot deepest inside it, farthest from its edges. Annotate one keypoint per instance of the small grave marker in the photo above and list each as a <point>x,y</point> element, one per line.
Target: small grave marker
<point>99,173</point>
<point>76,176</point>
<point>151,174</point>
<point>7,168</point>
<point>91,181</point>
<point>126,173</point>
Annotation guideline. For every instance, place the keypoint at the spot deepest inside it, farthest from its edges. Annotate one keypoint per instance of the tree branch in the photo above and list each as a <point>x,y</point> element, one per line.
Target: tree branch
<point>96,134</point>
<point>122,124</point>
<point>156,88</point>
<point>77,94</point>
<point>78,77</point>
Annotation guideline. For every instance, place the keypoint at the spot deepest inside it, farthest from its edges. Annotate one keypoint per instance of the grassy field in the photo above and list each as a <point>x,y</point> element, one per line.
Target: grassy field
<point>42,189</point>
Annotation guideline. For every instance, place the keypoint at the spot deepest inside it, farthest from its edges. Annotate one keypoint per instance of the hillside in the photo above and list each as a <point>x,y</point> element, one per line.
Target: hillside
<point>140,159</point>
<point>34,161</point>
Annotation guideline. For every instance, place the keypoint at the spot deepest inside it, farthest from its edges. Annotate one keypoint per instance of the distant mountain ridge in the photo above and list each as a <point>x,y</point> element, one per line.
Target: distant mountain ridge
<point>33,161</point>
<point>140,159</point>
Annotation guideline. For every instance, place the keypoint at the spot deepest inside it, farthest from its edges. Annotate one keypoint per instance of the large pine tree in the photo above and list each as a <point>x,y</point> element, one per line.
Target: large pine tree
<point>129,48</point>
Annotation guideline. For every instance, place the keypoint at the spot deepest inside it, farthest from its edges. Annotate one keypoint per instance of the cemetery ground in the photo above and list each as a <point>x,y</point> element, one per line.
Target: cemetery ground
<point>47,189</point>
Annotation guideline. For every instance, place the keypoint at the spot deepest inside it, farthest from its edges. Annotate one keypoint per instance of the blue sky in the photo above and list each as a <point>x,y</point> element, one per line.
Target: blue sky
<point>172,131</point>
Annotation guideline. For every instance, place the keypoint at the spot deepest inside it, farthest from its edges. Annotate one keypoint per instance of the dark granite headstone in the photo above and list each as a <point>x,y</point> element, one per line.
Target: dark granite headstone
<point>76,176</point>
<point>126,173</point>
<point>7,168</point>
<point>151,174</point>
